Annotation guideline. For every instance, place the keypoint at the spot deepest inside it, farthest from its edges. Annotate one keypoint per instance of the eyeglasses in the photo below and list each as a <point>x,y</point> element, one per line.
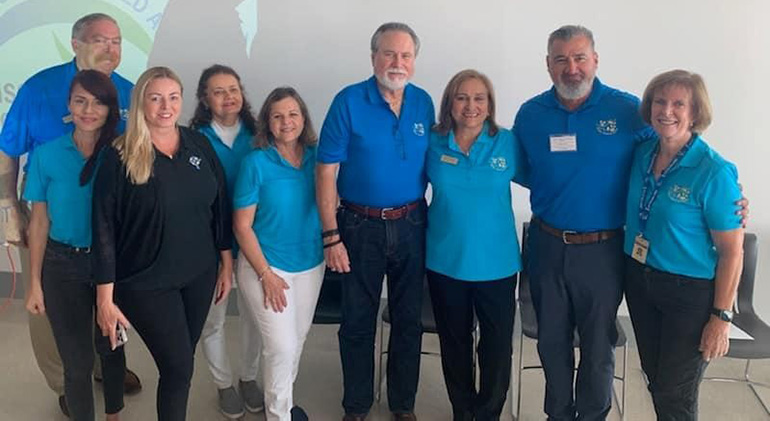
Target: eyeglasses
<point>104,42</point>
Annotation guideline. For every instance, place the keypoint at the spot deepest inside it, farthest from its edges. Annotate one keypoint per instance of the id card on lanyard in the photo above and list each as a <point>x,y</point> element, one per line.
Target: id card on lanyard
<point>641,244</point>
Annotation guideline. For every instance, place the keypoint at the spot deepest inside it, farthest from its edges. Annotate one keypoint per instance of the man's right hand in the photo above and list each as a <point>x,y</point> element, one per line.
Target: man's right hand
<point>337,258</point>
<point>15,224</point>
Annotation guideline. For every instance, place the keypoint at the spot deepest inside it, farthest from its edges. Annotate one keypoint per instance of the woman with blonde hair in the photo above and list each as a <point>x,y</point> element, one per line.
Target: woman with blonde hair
<point>162,236</point>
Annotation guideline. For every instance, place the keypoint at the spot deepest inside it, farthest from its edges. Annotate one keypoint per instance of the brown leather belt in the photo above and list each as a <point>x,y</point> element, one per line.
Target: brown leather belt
<point>573,237</point>
<point>387,214</point>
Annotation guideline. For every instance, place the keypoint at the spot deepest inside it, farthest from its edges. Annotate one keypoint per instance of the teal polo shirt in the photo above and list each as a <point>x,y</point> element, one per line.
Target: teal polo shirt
<point>381,155</point>
<point>697,196</point>
<point>287,224</point>
<point>54,178</point>
<point>230,158</point>
<point>471,233</point>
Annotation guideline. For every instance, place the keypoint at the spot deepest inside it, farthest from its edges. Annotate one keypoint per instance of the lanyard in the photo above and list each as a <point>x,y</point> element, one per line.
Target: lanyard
<point>645,203</point>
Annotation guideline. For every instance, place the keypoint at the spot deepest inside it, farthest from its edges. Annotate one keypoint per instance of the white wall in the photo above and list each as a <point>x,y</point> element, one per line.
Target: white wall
<point>320,46</point>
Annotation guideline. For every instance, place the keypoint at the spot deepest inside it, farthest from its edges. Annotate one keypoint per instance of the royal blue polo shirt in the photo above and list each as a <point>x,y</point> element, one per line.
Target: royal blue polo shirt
<point>381,155</point>
<point>287,224</point>
<point>231,158</point>
<point>471,233</point>
<point>582,190</point>
<point>698,195</point>
<point>54,178</point>
<point>39,112</point>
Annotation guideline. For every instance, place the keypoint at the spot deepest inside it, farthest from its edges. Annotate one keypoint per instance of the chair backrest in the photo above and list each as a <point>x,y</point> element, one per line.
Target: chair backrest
<point>745,300</point>
<point>525,296</point>
<point>328,310</point>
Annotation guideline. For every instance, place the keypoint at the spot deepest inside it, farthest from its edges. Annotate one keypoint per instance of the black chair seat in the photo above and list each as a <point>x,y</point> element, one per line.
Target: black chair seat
<point>328,310</point>
<point>757,348</point>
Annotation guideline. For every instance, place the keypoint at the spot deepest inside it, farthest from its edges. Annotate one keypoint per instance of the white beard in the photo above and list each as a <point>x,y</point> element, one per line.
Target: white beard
<point>574,92</point>
<point>393,85</point>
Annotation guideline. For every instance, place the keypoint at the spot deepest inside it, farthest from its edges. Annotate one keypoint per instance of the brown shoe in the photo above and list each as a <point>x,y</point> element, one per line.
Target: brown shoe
<point>354,417</point>
<point>406,416</point>
<point>131,384</point>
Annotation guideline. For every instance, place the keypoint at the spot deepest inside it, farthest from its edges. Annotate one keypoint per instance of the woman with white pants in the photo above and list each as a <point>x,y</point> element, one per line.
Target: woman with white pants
<point>277,226</point>
<point>223,115</point>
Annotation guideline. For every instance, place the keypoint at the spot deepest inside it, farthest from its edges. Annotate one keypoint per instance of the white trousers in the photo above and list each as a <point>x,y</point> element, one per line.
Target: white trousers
<point>215,349</point>
<point>283,334</point>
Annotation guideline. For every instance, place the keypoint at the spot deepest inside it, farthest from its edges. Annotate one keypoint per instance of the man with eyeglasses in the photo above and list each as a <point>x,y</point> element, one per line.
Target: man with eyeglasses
<point>39,114</point>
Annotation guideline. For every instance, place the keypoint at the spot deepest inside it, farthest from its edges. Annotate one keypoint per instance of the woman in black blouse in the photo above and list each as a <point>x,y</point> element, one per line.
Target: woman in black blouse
<point>161,235</point>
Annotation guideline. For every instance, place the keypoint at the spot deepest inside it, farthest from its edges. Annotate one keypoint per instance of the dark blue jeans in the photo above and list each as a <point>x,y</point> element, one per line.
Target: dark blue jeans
<point>668,313</point>
<point>70,296</point>
<point>377,248</point>
<point>454,304</point>
<point>576,286</point>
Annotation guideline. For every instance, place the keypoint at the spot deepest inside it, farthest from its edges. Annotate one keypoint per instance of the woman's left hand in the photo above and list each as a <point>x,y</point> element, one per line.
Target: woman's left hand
<point>224,283</point>
<point>715,341</point>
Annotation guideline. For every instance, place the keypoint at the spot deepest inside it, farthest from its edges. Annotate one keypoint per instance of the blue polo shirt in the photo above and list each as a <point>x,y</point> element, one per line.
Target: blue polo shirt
<point>582,190</point>
<point>471,232</point>
<point>54,178</point>
<point>287,224</point>
<point>381,156</point>
<point>39,113</point>
<point>230,158</point>
<point>697,195</point>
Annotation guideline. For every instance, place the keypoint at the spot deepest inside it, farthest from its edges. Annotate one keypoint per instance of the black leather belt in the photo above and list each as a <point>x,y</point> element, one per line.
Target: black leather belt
<point>574,237</point>
<point>388,214</point>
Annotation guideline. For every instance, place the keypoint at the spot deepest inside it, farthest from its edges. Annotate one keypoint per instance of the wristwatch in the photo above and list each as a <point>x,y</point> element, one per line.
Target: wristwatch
<point>724,315</point>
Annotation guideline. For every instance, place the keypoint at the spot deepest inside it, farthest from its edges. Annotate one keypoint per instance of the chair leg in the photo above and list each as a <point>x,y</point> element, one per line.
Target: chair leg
<point>625,382</point>
<point>519,379</point>
<point>753,385</point>
<point>379,365</point>
<point>475,354</point>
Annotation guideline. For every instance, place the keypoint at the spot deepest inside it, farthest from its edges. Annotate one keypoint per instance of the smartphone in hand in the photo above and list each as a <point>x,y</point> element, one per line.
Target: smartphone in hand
<point>122,335</point>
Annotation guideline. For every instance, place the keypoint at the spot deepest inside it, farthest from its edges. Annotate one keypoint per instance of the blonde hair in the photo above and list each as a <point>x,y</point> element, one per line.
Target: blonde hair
<point>135,145</point>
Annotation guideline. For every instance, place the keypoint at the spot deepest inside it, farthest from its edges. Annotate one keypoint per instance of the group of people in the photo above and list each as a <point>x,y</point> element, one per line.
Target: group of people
<point>139,222</point>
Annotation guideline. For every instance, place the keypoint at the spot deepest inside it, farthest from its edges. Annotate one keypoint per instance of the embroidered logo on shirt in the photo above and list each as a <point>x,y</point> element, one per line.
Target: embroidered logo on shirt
<point>419,129</point>
<point>607,127</point>
<point>498,163</point>
<point>195,162</point>
<point>679,193</point>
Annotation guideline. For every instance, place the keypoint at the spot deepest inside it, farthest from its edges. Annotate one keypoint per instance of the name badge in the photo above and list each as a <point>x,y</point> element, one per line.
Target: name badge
<point>641,247</point>
<point>449,159</point>
<point>563,143</point>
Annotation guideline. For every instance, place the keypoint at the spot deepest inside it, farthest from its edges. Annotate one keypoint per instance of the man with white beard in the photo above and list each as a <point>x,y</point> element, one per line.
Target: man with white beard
<point>578,138</point>
<point>376,134</point>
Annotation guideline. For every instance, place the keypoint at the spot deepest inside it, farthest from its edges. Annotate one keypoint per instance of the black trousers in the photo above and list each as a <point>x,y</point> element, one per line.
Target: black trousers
<point>668,313</point>
<point>170,322</point>
<point>576,286</point>
<point>454,304</point>
<point>69,297</point>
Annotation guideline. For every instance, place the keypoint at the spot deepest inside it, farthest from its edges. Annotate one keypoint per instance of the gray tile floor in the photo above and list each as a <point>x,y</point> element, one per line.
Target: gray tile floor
<point>24,395</point>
